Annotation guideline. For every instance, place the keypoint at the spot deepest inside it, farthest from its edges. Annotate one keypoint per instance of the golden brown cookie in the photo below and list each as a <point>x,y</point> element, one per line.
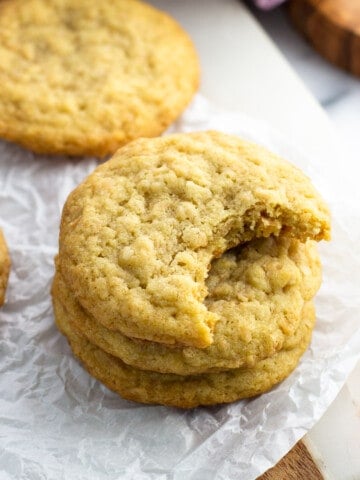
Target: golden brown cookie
<point>189,391</point>
<point>139,234</point>
<point>4,267</point>
<point>85,77</point>
<point>258,290</point>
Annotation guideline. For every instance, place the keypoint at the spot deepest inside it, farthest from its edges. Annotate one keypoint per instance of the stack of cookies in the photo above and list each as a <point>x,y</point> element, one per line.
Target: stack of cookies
<point>187,267</point>
<point>187,264</point>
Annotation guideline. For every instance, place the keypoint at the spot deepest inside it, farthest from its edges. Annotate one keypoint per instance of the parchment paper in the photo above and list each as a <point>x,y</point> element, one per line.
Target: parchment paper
<point>56,422</point>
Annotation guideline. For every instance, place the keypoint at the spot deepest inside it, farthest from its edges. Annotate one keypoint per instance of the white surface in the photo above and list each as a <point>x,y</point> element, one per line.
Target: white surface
<point>336,437</point>
<point>243,72</point>
<point>337,91</point>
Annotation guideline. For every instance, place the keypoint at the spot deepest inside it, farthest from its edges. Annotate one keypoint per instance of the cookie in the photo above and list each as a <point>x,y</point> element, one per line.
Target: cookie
<point>85,77</point>
<point>138,236</point>
<point>189,391</point>
<point>4,268</point>
<point>258,290</point>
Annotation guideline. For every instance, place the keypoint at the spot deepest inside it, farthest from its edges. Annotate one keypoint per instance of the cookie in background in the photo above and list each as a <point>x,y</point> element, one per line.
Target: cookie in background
<point>86,77</point>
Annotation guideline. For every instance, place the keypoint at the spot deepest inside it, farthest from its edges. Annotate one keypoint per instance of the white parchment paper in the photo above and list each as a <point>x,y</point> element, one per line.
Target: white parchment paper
<point>56,422</point>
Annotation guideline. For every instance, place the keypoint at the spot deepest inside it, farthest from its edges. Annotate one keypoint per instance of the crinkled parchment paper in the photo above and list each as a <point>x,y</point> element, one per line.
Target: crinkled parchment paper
<point>56,422</point>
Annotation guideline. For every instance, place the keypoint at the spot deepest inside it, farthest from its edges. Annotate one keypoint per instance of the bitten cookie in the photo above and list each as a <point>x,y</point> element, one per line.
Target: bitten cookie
<point>4,268</point>
<point>258,291</point>
<point>138,236</point>
<point>85,77</point>
<point>189,391</point>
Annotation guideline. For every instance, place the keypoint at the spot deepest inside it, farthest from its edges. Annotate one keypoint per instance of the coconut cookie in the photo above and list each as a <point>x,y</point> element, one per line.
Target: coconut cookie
<point>258,291</point>
<point>85,77</point>
<point>189,391</point>
<point>4,267</point>
<point>138,236</point>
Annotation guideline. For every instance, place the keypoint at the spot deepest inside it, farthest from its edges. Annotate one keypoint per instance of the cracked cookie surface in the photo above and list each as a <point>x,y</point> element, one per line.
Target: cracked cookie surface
<point>85,77</point>
<point>138,235</point>
<point>258,291</point>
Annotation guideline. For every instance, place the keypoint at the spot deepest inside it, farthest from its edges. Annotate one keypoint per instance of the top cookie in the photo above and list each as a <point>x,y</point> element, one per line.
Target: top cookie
<point>4,267</point>
<point>138,235</point>
<point>84,77</point>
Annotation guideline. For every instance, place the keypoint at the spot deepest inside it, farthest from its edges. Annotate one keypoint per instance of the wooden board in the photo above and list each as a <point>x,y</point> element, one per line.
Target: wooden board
<point>332,27</point>
<point>296,465</point>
